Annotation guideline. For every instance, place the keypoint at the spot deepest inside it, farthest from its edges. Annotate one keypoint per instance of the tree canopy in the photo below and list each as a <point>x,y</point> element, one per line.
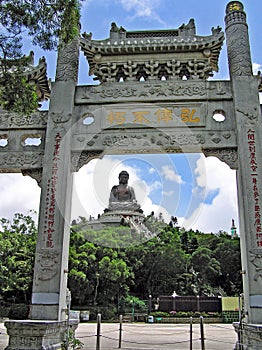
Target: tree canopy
<point>17,249</point>
<point>45,23</point>
<point>187,262</point>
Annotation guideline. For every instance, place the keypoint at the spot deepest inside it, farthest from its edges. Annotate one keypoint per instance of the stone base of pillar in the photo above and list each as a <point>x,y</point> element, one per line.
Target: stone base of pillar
<point>37,334</point>
<point>249,336</point>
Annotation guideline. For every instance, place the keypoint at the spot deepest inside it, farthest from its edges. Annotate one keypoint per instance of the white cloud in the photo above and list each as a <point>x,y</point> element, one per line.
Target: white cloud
<point>218,215</point>
<point>19,194</point>
<point>168,193</point>
<point>143,8</point>
<point>151,171</point>
<point>170,174</point>
<point>92,185</point>
<point>93,182</point>
<point>156,185</point>
<point>256,67</point>
<point>200,172</point>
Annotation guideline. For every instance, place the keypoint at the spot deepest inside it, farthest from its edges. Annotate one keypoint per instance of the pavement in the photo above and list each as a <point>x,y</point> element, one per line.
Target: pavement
<point>150,336</point>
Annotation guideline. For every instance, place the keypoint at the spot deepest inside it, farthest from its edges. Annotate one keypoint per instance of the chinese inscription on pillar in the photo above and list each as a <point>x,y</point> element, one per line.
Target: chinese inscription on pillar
<point>51,196</point>
<point>256,210</point>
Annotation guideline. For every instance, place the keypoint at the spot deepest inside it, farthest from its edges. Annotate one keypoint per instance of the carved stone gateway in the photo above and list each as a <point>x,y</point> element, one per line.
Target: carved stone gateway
<point>153,97</point>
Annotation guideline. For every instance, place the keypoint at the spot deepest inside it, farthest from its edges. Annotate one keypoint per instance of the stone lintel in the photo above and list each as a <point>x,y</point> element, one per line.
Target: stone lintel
<point>171,91</point>
<point>11,120</point>
<point>15,162</point>
<point>37,334</point>
<point>156,141</point>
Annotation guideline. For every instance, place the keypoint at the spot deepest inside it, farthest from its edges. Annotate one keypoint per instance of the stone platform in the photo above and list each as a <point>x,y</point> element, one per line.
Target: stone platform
<point>114,218</point>
<point>249,336</point>
<point>37,334</point>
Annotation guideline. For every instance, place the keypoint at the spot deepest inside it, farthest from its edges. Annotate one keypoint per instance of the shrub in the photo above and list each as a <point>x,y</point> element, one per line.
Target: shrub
<point>4,309</point>
<point>107,313</point>
<point>18,311</point>
<point>160,314</point>
<point>137,303</point>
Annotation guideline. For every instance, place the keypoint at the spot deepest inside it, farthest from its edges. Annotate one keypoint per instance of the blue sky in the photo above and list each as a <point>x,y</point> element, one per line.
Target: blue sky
<point>200,192</point>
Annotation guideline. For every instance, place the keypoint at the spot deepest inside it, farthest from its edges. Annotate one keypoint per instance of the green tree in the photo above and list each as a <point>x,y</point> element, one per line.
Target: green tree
<point>185,241</point>
<point>207,269</point>
<point>124,268</point>
<point>98,275</point>
<point>45,23</point>
<point>113,275</point>
<point>17,248</point>
<point>227,253</point>
<point>82,268</point>
<point>158,264</point>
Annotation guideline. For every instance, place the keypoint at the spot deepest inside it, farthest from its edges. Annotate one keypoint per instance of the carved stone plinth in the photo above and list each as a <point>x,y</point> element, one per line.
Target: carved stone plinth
<point>37,335</point>
<point>249,336</point>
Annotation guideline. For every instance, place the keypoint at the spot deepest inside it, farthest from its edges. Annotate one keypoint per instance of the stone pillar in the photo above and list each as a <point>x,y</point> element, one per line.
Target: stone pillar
<point>249,174</point>
<point>51,262</point>
<point>47,326</point>
<point>238,49</point>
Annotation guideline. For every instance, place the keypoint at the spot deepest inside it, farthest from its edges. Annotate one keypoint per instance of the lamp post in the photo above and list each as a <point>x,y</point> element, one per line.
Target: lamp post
<point>133,311</point>
<point>150,304</point>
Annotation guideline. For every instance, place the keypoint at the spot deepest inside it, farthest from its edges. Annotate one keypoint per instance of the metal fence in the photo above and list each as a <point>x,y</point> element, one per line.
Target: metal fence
<point>146,336</point>
<point>152,336</point>
<point>190,303</point>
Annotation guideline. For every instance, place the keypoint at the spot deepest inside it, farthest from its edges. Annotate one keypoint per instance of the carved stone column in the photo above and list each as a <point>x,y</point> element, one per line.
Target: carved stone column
<point>249,174</point>
<point>238,49</point>
<point>51,260</point>
<point>50,275</point>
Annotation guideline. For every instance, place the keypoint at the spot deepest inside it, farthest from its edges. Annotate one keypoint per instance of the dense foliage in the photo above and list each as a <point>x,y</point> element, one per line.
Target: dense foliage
<point>17,249</point>
<point>45,23</point>
<point>111,266</point>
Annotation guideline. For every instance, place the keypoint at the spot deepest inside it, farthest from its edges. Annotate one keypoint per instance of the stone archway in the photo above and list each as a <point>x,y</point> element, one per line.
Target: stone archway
<point>129,115</point>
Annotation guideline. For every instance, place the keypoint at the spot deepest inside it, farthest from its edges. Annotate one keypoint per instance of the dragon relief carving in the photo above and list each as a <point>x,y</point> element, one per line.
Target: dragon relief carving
<point>67,64</point>
<point>35,174</point>
<point>163,89</point>
<point>142,141</point>
<point>14,120</point>
<point>80,159</point>
<point>256,260</point>
<point>226,155</point>
<point>259,77</point>
<point>20,160</point>
<point>251,113</point>
<point>47,264</point>
<point>60,117</point>
<point>239,51</point>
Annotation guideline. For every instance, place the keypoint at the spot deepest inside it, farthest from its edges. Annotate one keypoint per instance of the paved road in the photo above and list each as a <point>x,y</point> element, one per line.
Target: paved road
<point>141,336</point>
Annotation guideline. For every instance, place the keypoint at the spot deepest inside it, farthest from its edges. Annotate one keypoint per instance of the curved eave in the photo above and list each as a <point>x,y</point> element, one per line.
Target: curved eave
<point>148,46</point>
<point>179,44</point>
<point>260,85</point>
<point>38,75</point>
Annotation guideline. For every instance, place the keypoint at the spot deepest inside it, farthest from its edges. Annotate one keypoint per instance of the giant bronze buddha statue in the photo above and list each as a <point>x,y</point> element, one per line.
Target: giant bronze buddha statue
<point>122,197</point>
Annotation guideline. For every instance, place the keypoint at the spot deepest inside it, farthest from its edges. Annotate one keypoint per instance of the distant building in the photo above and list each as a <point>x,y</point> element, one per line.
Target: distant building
<point>233,229</point>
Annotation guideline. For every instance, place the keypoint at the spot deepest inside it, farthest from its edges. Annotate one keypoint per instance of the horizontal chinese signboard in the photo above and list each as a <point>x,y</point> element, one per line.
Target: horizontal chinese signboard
<point>150,115</point>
